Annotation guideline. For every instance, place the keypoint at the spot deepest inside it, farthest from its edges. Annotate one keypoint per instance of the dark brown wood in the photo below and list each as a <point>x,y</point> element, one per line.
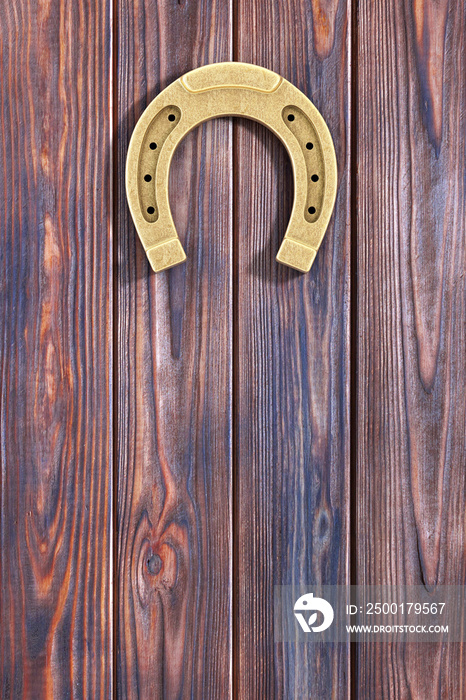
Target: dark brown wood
<point>411,491</point>
<point>175,377</point>
<point>292,357</point>
<point>56,350</point>
<point>232,377</point>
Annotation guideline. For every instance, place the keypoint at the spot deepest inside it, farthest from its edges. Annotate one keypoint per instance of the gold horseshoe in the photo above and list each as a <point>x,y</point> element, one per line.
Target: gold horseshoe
<point>243,90</point>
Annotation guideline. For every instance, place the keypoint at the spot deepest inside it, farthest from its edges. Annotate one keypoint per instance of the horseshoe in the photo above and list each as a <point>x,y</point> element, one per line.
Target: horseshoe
<point>231,89</point>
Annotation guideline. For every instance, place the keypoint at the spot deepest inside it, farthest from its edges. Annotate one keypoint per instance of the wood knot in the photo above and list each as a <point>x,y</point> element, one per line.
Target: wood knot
<point>153,563</point>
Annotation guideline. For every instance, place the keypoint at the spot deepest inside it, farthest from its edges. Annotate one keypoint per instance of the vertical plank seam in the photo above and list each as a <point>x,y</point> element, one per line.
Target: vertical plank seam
<point>235,666</point>
<point>353,8</point>
<point>115,333</point>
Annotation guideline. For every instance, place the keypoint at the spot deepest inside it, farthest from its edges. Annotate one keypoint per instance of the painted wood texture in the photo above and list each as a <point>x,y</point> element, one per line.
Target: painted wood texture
<point>56,350</point>
<point>411,491</point>
<point>175,382</point>
<point>292,364</point>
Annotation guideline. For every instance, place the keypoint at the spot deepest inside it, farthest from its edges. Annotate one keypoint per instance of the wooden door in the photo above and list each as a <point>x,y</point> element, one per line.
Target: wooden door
<point>173,446</point>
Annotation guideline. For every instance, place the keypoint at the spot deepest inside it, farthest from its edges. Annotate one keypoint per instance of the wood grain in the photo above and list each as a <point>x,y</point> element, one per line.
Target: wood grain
<point>292,362</point>
<point>411,314</point>
<point>233,395</point>
<point>56,350</point>
<point>175,378</point>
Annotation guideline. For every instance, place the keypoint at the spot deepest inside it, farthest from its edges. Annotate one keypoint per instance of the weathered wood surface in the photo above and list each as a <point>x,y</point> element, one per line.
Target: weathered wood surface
<point>56,350</point>
<point>217,505</point>
<point>411,315</point>
<point>175,379</point>
<point>292,362</point>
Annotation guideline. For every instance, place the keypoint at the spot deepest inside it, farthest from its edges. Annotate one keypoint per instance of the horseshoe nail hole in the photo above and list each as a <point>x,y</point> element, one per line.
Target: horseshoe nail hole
<point>147,178</point>
<point>309,146</point>
<point>171,117</point>
<point>153,146</point>
<point>150,210</point>
<point>154,564</point>
<point>312,210</point>
<point>314,178</point>
<point>291,117</point>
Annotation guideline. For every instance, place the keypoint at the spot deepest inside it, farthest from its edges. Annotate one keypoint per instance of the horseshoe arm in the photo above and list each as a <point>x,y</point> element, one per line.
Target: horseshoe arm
<point>236,89</point>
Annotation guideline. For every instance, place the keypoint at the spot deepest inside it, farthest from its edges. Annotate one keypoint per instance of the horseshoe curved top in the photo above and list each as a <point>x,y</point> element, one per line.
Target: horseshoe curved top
<point>237,89</point>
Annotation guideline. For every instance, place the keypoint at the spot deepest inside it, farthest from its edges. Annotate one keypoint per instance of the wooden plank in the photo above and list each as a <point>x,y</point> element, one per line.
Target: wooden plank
<point>174,404</point>
<point>56,350</point>
<point>411,491</point>
<point>292,379</point>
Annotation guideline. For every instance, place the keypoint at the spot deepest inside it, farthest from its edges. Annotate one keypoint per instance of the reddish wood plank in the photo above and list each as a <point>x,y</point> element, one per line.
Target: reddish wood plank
<point>175,328</point>
<point>411,491</point>
<point>292,379</point>
<point>56,350</point>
